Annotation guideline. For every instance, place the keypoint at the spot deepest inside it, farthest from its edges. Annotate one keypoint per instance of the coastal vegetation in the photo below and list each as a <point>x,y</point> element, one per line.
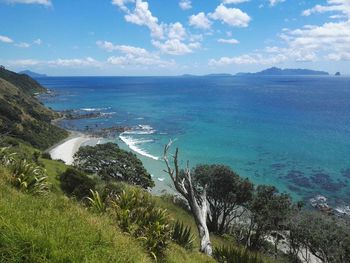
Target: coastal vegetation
<point>110,162</point>
<point>22,116</point>
<point>100,209</point>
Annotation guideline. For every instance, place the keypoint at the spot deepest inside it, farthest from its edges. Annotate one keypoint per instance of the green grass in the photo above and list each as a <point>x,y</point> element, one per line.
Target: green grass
<point>56,229</point>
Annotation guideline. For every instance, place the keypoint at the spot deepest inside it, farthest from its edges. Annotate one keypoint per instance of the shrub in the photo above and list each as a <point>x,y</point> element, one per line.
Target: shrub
<point>182,235</point>
<point>6,156</point>
<point>29,177</point>
<point>112,163</point>
<point>234,255</point>
<point>96,203</point>
<point>77,184</point>
<point>46,155</point>
<point>137,214</point>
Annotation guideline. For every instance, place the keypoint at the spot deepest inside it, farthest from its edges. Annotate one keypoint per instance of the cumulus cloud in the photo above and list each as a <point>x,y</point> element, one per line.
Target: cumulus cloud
<point>142,16</point>
<point>177,31</point>
<point>131,55</point>
<point>175,47</point>
<point>228,41</point>
<point>231,16</point>
<point>40,2</point>
<point>38,42</point>
<point>200,21</point>
<point>5,39</point>
<point>342,6</point>
<point>329,41</point>
<point>185,4</point>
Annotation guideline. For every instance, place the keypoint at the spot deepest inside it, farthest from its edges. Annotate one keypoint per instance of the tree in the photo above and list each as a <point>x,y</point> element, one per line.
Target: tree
<point>322,236</point>
<point>269,212</point>
<point>110,162</point>
<point>226,194</point>
<point>76,183</point>
<point>196,198</point>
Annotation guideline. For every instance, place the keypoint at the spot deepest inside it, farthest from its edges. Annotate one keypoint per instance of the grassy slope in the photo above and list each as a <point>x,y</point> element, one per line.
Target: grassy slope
<point>56,229</point>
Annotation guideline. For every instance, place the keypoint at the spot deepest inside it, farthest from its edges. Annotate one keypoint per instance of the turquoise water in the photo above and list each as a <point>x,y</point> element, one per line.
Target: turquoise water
<point>291,132</point>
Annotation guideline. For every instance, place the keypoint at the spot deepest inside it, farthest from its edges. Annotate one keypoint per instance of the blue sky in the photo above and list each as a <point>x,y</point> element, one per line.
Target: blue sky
<point>171,37</point>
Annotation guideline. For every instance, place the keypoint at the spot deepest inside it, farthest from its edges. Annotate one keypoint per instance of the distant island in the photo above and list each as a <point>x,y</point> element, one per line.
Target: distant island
<point>33,74</point>
<point>337,74</point>
<point>284,72</point>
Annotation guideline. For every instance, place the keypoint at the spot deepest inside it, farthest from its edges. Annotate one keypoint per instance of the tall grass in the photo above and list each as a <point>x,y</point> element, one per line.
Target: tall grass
<point>55,229</point>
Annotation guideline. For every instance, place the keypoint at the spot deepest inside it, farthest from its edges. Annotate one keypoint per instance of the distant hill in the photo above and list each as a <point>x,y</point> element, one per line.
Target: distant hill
<point>32,74</point>
<point>21,114</point>
<point>284,72</point>
<point>218,75</point>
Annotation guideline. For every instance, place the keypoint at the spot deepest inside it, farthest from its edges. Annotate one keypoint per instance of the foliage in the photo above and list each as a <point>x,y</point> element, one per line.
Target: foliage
<point>226,193</point>
<point>22,116</point>
<point>234,255</point>
<point>76,183</point>
<point>137,213</point>
<point>29,177</point>
<point>182,235</point>
<point>46,155</point>
<point>110,162</point>
<point>269,212</point>
<point>326,237</point>
<point>6,156</point>
<point>55,229</point>
<point>96,203</point>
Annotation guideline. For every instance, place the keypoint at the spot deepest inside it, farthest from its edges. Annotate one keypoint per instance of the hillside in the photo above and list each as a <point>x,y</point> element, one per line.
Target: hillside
<point>32,74</point>
<point>22,115</point>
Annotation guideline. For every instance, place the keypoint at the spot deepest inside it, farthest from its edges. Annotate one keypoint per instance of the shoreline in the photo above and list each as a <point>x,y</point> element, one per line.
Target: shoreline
<point>65,149</point>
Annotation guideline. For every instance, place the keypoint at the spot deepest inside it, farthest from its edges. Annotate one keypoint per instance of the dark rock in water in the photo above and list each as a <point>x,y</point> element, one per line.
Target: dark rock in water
<point>278,166</point>
<point>337,74</point>
<point>346,173</point>
<point>298,178</point>
<point>324,181</point>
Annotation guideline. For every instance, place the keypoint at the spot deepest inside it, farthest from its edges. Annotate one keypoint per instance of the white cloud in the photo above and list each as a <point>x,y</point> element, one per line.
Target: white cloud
<point>185,4</point>
<point>342,6</point>
<point>131,55</point>
<point>23,45</point>
<point>234,1</point>
<point>231,16</point>
<point>142,16</point>
<point>6,39</point>
<point>175,47</point>
<point>177,31</point>
<point>339,56</point>
<point>200,21</point>
<point>37,41</point>
<point>228,41</point>
<point>40,2</point>
<point>275,2</point>
<point>76,62</point>
<point>125,49</point>
<point>254,59</point>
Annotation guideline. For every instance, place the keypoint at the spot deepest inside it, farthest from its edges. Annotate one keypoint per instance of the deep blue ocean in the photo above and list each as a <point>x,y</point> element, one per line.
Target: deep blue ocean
<point>291,132</point>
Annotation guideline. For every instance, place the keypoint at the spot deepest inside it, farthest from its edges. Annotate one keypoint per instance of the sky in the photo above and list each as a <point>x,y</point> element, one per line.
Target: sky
<point>173,37</point>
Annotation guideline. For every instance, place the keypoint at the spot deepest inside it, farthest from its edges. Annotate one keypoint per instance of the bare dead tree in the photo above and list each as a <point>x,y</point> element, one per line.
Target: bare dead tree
<point>197,200</point>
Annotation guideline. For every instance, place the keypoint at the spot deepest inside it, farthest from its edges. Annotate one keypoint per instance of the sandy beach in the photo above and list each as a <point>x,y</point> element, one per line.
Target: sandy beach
<point>66,149</point>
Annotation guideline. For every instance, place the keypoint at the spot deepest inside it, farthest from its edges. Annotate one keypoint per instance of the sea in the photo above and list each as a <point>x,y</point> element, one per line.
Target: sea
<point>292,132</point>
